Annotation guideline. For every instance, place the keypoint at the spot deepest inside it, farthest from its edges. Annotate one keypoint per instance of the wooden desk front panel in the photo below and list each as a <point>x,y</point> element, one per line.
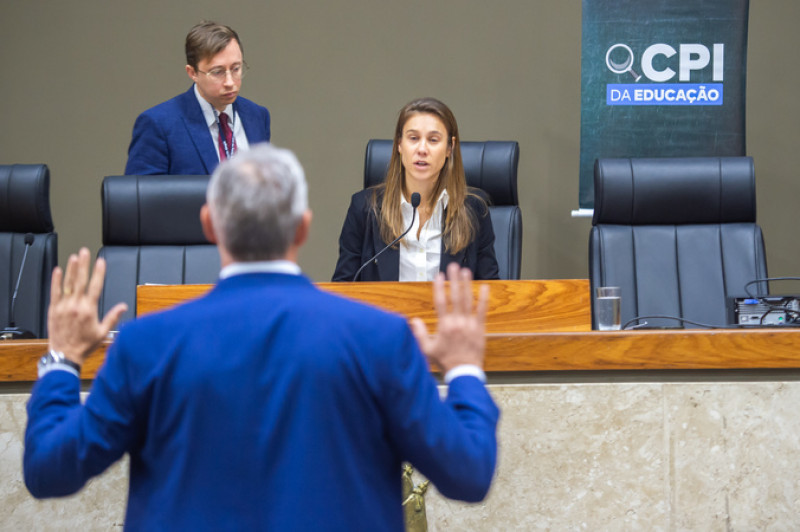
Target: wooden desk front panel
<point>514,306</point>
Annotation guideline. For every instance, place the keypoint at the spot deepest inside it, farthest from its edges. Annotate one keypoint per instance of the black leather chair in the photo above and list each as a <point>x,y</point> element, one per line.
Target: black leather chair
<point>25,209</point>
<point>490,166</point>
<point>152,235</point>
<point>679,236</point>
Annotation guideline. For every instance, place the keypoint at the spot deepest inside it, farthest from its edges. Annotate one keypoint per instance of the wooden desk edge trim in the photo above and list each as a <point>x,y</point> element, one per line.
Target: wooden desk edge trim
<point>555,351</point>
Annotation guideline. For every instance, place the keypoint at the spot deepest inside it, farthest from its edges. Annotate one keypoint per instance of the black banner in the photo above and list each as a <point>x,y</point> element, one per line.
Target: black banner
<point>661,78</point>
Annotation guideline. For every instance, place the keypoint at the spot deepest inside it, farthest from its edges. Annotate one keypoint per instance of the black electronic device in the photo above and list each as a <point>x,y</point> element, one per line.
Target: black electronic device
<point>765,311</point>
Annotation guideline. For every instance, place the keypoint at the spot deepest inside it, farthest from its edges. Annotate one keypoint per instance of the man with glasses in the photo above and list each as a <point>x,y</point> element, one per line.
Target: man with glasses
<point>191,133</point>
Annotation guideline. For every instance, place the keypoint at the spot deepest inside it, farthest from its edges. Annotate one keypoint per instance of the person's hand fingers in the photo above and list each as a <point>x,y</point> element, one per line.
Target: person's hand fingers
<point>69,275</point>
<point>455,296</point>
<point>466,291</point>
<point>439,296</point>
<point>82,273</point>
<point>96,281</point>
<point>111,318</point>
<point>421,334</point>
<point>483,305</point>
<point>55,285</point>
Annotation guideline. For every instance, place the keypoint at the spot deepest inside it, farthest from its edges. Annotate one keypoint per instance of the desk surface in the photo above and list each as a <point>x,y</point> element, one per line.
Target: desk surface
<point>532,326</point>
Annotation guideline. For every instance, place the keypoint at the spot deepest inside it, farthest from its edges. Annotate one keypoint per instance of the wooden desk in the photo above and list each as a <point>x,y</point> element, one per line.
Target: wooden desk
<point>18,360</point>
<point>514,306</point>
<point>557,351</point>
<point>519,339</point>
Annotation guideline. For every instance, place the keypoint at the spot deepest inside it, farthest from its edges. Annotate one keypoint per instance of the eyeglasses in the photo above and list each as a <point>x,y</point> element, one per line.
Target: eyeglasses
<point>220,74</point>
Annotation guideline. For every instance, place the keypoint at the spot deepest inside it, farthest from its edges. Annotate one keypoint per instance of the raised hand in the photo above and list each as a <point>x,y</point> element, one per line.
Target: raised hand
<point>72,321</point>
<point>460,334</point>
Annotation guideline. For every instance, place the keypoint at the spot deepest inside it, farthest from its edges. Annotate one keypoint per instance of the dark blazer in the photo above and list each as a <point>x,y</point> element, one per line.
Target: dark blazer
<point>172,138</point>
<point>267,404</point>
<point>361,240</point>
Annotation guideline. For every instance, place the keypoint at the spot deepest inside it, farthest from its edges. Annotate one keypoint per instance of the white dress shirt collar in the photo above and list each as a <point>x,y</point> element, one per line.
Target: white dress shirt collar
<point>269,266</point>
<point>209,113</point>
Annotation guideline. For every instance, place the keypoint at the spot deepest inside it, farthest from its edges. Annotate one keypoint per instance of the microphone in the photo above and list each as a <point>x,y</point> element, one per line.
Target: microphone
<point>12,332</point>
<point>415,199</point>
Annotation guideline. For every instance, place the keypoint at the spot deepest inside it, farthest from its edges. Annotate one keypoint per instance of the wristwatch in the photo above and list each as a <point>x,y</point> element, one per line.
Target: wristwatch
<point>56,360</point>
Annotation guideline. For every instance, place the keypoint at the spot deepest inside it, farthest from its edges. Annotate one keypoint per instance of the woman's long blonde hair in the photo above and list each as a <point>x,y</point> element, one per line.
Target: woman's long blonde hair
<point>459,227</point>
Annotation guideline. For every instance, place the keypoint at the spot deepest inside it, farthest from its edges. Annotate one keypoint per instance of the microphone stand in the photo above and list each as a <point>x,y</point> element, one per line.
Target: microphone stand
<point>12,332</point>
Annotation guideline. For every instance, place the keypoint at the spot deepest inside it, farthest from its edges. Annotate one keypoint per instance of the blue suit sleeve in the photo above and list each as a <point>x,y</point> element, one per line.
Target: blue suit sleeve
<point>66,444</point>
<point>452,442</point>
<point>148,153</point>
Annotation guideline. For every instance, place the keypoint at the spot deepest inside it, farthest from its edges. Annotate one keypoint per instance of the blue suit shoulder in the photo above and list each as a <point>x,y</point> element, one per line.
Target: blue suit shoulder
<point>250,106</point>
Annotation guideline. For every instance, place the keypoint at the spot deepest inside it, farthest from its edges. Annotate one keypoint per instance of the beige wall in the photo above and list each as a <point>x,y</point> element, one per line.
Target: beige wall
<point>333,74</point>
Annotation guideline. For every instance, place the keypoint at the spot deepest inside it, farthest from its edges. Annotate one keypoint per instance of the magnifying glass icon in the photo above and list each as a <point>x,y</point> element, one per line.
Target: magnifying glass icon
<point>625,66</point>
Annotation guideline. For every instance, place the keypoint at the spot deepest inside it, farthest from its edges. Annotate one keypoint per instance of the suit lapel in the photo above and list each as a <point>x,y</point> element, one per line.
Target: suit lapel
<point>198,130</point>
<point>447,258</point>
<point>389,262</point>
<point>249,123</point>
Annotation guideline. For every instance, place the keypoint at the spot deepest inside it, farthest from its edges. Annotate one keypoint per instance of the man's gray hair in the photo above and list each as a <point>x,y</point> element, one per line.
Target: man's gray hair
<point>257,199</point>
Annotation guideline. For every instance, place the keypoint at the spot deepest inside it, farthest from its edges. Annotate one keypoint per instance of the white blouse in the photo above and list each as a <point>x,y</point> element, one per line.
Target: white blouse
<point>420,257</point>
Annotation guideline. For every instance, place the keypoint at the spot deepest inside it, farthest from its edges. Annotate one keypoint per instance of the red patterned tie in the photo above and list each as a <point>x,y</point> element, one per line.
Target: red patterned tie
<point>226,133</point>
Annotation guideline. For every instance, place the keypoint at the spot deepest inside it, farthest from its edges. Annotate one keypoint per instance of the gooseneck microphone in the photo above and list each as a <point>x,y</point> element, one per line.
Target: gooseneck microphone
<point>415,199</point>
<point>12,331</point>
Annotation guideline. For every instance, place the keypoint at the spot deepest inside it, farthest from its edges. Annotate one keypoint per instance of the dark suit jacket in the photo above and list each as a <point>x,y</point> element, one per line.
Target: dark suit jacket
<point>172,138</point>
<point>267,404</point>
<point>361,240</point>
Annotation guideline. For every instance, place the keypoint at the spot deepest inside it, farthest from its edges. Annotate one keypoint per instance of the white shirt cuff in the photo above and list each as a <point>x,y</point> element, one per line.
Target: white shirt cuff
<point>465,370</point>
<point>58,367</point>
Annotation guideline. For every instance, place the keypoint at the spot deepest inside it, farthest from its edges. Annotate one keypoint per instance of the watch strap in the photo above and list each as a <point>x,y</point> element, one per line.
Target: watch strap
<point>55,360</point>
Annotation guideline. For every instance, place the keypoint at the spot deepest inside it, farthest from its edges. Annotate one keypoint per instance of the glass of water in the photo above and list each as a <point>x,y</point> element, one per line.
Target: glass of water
<point>606,308</point>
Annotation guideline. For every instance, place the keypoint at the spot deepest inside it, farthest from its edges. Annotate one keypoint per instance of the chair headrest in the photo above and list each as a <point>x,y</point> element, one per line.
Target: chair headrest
<point>25,199</point>
<point>153,209</point>
<point>490,166</point>
<point>672,191</point>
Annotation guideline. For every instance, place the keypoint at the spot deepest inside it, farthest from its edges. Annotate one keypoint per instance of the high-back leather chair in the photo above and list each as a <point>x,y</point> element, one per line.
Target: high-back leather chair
<point>152,235</point>
<point>25,210</point>
<point>490,166</point>
<point>678,235</point>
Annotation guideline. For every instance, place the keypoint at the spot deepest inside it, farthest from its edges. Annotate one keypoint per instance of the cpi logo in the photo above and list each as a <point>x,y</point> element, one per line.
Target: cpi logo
<point>691,57</point>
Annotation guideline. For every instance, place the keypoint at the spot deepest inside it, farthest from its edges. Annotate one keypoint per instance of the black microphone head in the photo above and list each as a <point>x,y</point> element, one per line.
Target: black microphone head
<point>28,239</point>
<point>415,199</point>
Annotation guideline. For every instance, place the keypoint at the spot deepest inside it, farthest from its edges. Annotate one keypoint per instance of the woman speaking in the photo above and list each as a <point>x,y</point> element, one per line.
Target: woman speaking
<point>423,216</point>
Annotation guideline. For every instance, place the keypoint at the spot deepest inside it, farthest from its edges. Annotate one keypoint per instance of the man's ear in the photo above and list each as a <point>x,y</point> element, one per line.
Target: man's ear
<point>303,229</point>
<point>191,72</point>
<point>207,224</point>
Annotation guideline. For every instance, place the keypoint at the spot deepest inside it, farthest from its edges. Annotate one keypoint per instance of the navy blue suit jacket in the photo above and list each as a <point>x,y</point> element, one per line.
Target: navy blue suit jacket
<point>267,404</point>
<point>361,239</point>
<point>173,138</point>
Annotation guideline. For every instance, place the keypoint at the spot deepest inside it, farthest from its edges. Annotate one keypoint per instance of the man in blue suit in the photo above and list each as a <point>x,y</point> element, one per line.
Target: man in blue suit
<point>182,136</point>
<point>267,404</point>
